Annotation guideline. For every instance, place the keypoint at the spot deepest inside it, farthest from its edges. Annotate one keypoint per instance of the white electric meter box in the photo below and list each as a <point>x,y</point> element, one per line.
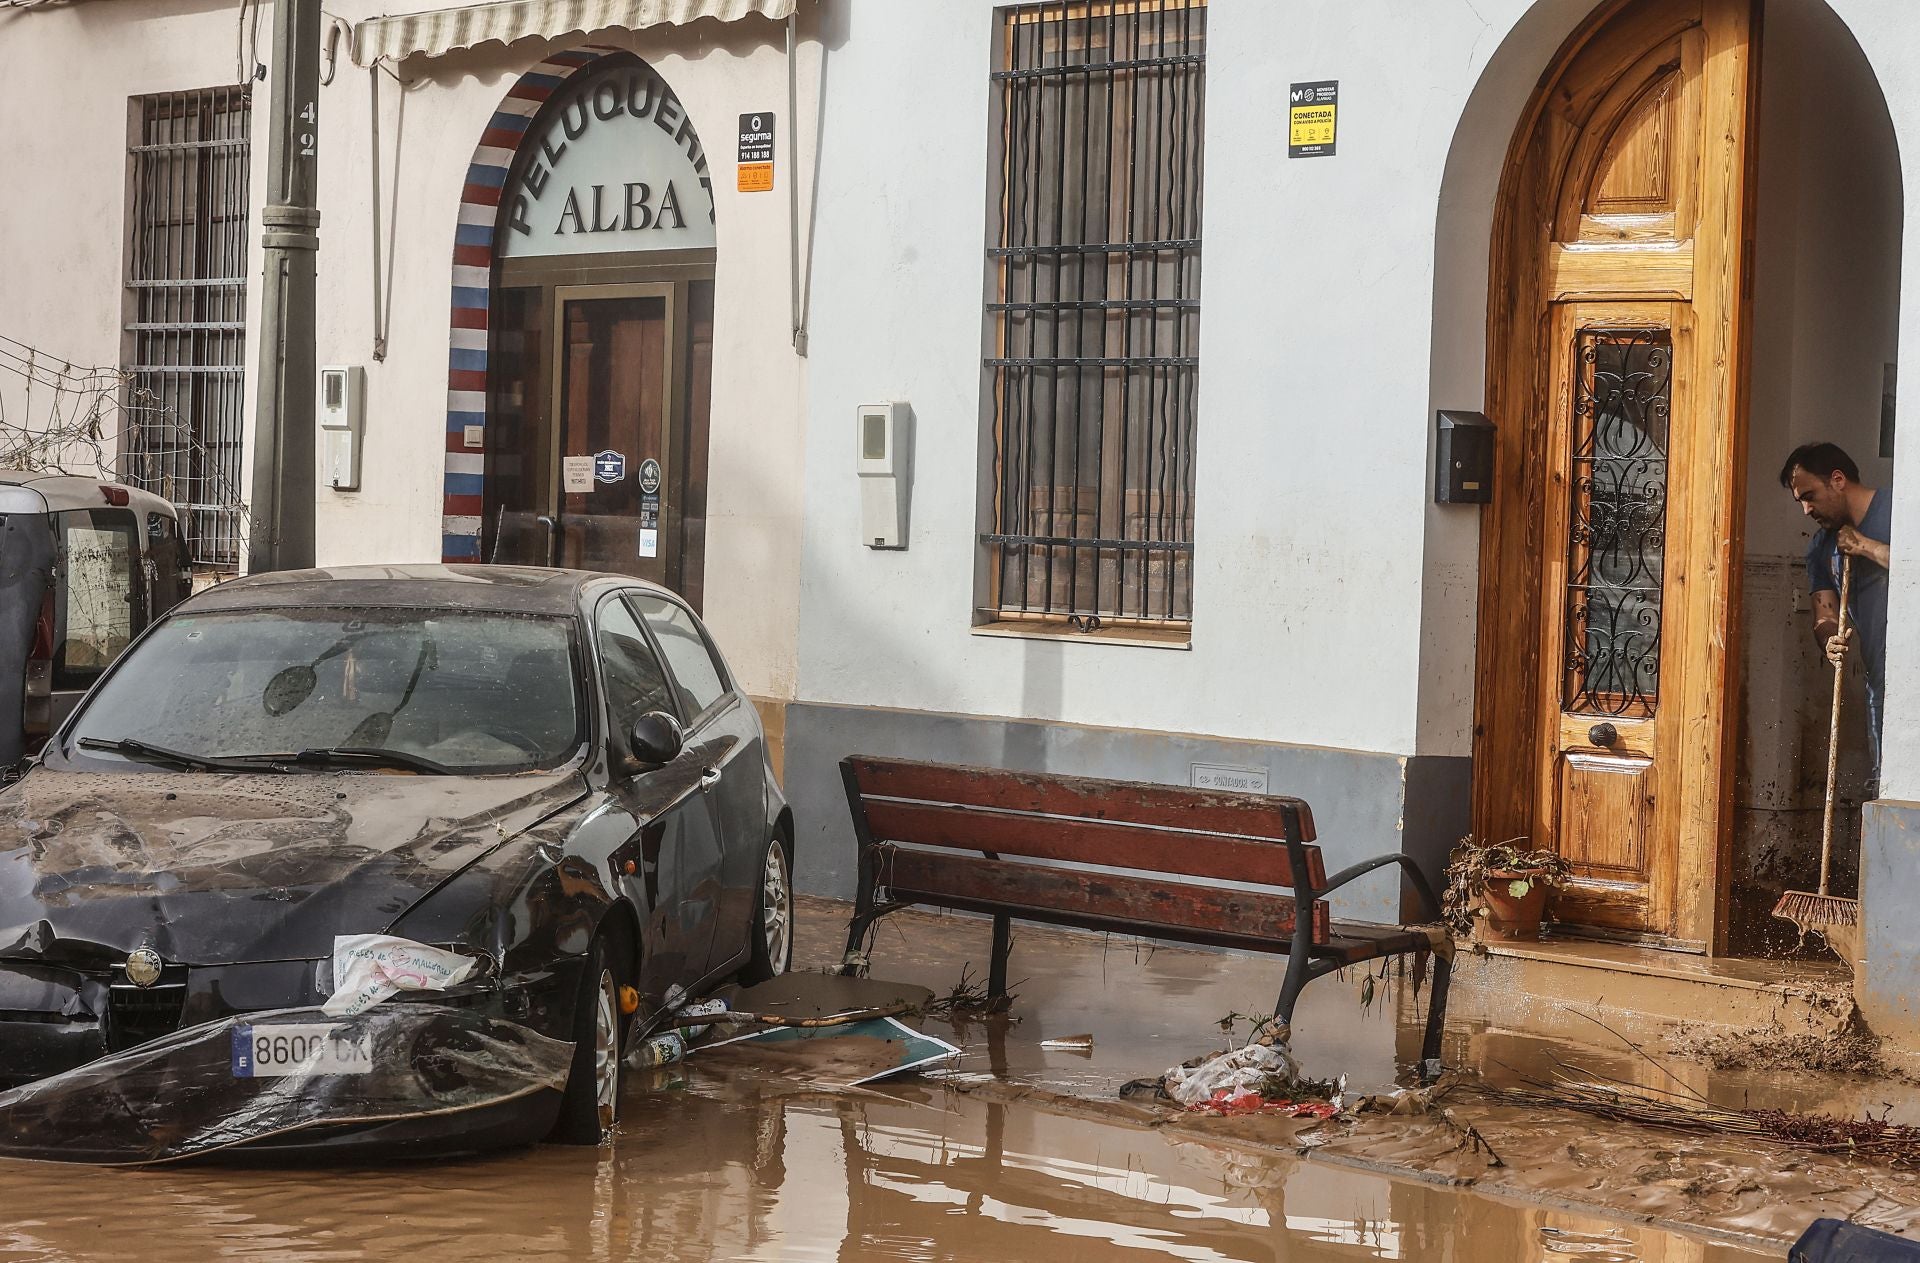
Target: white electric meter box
<point>886,468</point>
<point>342,421</point>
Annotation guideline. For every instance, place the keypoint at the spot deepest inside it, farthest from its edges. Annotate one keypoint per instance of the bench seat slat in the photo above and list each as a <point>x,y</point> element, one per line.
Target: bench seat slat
<point>1154,909</point>
<point>1109,843</point>
<point>1211,811</point>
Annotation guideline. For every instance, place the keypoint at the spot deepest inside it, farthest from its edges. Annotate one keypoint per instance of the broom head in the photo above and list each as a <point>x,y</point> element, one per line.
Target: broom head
<point>1813,912</point>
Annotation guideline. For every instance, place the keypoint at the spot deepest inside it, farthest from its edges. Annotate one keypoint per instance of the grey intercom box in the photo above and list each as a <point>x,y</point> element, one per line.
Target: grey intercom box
<point>1463,459</point>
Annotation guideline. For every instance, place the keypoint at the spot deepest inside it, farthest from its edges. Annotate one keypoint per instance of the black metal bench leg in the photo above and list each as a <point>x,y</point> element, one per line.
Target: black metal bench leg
<point>852,963</point>
<point>1290,988</point>
<point>1002,945</point>
<point>1436,1017</point>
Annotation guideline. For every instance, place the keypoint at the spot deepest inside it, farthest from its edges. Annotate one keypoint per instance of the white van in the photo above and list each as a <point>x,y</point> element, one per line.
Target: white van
<point>85,565</point>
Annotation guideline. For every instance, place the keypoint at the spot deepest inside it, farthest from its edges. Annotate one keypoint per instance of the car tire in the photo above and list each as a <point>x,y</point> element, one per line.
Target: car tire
<point>771,935</point>
<point>591,1104</point>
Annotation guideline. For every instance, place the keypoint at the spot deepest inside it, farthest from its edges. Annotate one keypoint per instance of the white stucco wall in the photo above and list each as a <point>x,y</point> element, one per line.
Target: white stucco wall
<point>62,234</point>
<point>66,74</point>
<point>1313,478</point>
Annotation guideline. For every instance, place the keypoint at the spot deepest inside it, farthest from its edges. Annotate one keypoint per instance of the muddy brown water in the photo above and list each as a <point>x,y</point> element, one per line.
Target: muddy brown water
<point>726,1158</point>
<point>717,1165</point>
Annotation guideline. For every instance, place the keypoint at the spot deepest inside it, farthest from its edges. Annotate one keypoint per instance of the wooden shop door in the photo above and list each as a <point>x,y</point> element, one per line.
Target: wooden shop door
<point>1610,554</point>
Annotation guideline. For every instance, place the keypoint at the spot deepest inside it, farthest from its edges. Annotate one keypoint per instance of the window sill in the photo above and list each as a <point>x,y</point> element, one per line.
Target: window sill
<point>1142,637</point>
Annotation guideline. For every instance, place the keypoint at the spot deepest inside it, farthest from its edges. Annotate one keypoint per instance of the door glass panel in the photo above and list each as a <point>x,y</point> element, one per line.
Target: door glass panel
<point>613,412</point>
<point>93,603</point>
<point>701,683</point>
<point>1616,550</point>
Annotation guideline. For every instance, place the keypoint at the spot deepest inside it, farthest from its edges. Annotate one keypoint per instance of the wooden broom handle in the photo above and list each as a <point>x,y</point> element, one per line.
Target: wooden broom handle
<point>1833,726</point>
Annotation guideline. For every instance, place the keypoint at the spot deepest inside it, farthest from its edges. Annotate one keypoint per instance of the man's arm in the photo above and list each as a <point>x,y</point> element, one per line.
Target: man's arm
<point>1854,544</point>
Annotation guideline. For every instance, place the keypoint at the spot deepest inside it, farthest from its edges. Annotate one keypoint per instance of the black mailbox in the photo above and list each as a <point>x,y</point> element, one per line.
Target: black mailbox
<point>1463,459</point>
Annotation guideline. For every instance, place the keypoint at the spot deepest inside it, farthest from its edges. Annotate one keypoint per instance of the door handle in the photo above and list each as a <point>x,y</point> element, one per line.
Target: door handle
<point>709,778</point>
<point>1603,735</point>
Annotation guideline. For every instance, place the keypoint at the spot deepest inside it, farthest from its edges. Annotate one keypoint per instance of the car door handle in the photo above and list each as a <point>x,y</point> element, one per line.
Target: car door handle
<point>709,778</point>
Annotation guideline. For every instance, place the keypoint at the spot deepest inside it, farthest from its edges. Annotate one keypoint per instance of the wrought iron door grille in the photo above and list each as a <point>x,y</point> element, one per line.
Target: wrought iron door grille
<point>187,309</point>
<point>1616,549</point>
<point>1096,262</point>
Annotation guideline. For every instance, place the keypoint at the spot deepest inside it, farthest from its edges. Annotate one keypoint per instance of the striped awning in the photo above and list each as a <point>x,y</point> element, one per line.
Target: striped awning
<point>436,31</point>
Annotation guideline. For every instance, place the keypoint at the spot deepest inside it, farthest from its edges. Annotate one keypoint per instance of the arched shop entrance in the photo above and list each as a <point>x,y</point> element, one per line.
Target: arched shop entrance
<point>598,319</point>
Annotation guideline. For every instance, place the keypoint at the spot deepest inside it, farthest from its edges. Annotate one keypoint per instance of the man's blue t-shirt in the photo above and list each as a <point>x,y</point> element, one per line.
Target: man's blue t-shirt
<point>1867,605</point>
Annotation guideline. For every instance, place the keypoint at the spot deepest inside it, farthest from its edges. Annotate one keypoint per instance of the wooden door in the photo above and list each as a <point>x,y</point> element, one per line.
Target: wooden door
<point>1610,556</point>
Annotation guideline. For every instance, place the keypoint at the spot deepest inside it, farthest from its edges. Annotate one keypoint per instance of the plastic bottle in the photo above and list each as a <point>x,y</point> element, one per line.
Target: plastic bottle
<point>661,1050</point>
<point>706,1008</point>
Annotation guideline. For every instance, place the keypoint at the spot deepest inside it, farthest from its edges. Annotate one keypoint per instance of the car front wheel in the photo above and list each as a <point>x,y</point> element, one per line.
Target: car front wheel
<point>772,935</point>
<point>592,1102</point>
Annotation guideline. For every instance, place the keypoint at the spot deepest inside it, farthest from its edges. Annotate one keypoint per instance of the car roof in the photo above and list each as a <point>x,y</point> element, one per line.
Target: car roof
<point>497,589</point>
<point>62,493</point>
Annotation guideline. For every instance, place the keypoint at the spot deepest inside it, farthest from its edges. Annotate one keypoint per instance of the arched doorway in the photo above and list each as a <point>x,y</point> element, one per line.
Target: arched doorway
<point>1609,562</point>
<point>577,429</point>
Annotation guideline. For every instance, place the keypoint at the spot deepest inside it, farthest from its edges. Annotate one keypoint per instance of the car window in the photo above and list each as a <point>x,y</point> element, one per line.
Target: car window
<point>634,681</point>
<point>474,692</point>
<point>93,610</point>
<point>699,678</point>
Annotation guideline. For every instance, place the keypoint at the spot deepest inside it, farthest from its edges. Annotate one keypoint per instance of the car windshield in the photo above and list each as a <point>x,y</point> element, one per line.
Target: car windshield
<point>392,688</point>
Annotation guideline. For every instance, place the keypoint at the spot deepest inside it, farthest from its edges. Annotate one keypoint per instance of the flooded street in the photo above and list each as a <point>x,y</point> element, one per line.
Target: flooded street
<point>1022,1153</point>
<point>709,1166</point>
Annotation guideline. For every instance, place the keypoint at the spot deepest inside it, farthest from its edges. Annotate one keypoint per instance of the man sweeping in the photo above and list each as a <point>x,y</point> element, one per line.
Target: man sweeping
<point>1847,573</point>
<point>1856,524</point>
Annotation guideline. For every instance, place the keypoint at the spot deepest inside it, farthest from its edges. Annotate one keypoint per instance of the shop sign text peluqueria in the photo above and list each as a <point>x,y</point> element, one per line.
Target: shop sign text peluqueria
<point>612,167</point>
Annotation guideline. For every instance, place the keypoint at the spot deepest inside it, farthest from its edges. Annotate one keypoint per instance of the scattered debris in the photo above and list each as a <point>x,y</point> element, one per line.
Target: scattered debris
<point>1852,1050</point>
<point>895,1048</point>
<point>1872,1139</point>
<point>968,1000</point>
<point>1069,1043</point>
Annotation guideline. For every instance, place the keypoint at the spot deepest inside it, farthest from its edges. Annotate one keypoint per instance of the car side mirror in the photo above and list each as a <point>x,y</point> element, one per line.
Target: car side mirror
<point>656,738</point>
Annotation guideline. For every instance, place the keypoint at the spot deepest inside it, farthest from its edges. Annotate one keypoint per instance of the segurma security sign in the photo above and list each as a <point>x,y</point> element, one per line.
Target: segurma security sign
<point>613,164</point>
<point>1312,118</point>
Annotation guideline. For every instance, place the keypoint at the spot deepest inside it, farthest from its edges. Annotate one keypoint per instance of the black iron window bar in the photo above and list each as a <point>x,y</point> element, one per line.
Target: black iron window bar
<point>186,306</point>
<point>1616,548</point>
<point>1095,340</point>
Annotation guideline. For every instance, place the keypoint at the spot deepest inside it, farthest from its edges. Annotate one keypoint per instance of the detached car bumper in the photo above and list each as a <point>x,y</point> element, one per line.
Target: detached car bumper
<point>426,1079</point>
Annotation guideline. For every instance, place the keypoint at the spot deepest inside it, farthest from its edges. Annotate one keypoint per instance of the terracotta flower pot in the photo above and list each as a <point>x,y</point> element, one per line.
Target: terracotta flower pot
<point>1513,918</point>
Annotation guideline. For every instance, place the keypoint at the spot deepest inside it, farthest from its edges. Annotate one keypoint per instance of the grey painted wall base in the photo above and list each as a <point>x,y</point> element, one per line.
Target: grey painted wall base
<point>1889,888</point>
<point>1364,803</point>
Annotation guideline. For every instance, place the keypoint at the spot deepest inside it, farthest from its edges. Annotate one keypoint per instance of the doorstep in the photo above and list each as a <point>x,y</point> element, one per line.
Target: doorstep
<point>1554,987</point>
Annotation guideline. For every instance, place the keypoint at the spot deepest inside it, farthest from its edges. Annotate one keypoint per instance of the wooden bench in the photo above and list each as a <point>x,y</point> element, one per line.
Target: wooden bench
<point>992,841</point>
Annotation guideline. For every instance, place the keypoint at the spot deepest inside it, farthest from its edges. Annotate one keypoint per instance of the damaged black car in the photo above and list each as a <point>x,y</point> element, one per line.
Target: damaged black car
<point>550,775</point>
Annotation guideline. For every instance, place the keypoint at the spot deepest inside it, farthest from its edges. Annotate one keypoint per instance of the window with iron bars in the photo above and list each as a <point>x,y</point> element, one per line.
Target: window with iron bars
<point>1095,311</point>
<point>187,310</point>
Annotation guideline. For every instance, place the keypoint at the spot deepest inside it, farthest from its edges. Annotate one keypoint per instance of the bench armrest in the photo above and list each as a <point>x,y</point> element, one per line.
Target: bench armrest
<point>1415,878</point>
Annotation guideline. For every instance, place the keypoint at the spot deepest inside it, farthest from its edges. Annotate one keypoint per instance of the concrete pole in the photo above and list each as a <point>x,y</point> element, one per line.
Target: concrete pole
<point>283,452</point>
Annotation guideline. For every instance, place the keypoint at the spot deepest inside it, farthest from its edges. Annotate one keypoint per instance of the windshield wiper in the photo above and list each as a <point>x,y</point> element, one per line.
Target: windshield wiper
<point>367,756</point>
<point>146,751</point>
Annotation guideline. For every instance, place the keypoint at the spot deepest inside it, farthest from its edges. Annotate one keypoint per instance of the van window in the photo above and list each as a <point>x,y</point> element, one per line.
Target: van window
<point>93,601</point>
<point>167,567</point>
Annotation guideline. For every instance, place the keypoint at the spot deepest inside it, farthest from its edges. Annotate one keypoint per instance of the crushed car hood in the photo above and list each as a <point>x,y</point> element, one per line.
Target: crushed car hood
<point>216,868</point>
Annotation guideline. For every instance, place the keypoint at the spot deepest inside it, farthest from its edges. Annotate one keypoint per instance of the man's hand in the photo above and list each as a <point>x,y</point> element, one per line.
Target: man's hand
<point>1837,646</point>
<point>1851,542</point>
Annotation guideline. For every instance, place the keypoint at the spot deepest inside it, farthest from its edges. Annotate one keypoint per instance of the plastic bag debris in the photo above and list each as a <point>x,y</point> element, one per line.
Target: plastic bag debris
<point>1247,1067</point>
<point>367,968</point>
<point>276,1074</point>
<point>1248,1101</point>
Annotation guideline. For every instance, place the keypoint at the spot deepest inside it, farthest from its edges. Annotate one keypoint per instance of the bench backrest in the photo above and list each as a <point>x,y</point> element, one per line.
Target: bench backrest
<point>1087,820</point>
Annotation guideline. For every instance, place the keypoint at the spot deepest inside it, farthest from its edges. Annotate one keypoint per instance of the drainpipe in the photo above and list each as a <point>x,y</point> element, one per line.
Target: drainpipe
<point>793,189</point>
<point>281,535</point>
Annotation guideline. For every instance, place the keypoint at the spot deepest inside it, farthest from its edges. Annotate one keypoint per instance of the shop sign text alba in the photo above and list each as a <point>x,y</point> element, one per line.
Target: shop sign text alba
<point>617,166</point>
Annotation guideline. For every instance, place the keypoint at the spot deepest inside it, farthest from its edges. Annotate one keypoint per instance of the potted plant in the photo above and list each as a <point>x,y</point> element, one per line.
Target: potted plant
<point>1503,886</point>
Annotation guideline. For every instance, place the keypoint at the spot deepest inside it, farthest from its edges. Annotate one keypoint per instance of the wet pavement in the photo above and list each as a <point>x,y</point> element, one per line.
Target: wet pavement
<point>1018,1153</point>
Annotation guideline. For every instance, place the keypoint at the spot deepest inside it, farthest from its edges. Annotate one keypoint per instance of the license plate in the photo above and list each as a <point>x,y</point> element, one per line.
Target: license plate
<point>264,1052</point>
